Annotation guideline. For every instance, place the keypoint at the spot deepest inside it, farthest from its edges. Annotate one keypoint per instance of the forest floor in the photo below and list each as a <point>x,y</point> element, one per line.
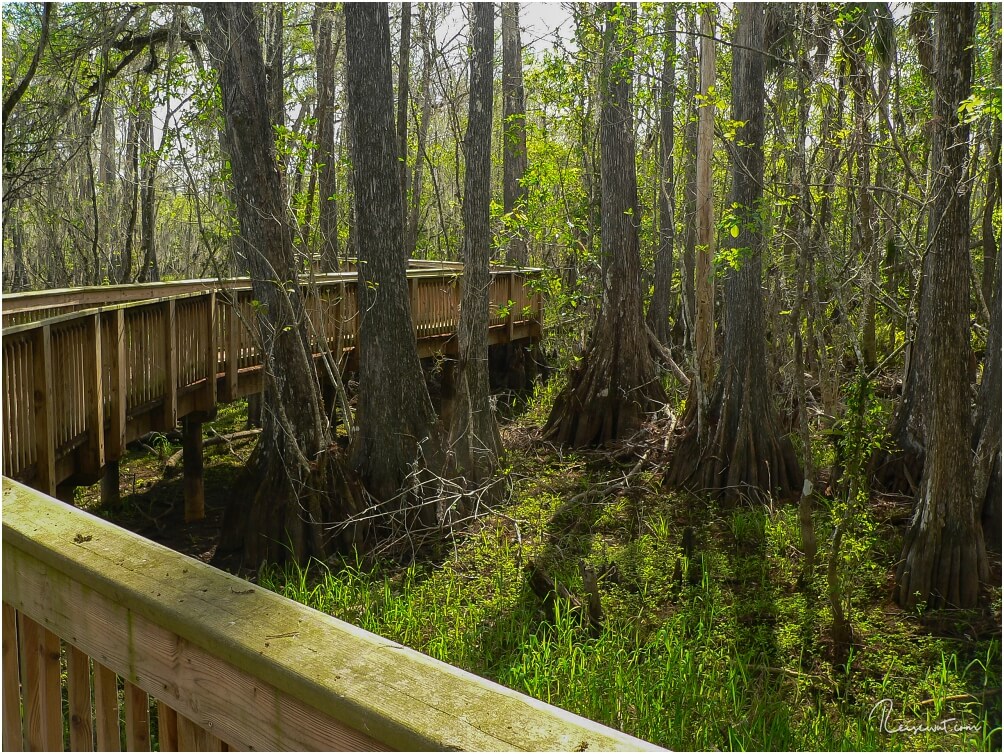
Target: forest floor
<point>707,639</point>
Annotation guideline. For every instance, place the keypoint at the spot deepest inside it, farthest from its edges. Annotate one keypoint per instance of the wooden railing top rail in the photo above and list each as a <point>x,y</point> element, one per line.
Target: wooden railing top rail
<point>103,295</point>
<point>254,668</point>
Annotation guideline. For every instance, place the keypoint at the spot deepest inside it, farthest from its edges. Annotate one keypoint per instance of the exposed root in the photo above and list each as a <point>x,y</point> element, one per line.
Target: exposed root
<point>745,455</point>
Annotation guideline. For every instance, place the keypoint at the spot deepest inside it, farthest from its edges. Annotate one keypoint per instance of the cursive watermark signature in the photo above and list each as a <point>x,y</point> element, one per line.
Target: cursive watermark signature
<point>883,709</point>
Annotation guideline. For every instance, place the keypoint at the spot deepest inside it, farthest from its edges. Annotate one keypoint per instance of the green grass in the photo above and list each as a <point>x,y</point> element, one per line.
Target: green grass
<point>737,660</point>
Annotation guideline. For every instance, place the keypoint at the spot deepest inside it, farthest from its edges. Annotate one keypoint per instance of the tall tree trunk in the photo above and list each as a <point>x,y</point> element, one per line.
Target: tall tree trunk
<point>327,215</point>
<point>746,453</point>
<point>288,475</point>
<point>944,558</point>
<point>403,74</point>
<point>514,159</point>
<point>705,282</point>
<point>615,384</point>
<point>688,301</point>
<point>660,307</point>
<point>426,25</point>
<point>991,245</point>
<point>987,430</point>
<point>19,277</point>
<point>130,193</point>
<point>396,422</point>
<point>863,241</point>
<point>274,78</point>
<point>150,272</point>
<point>474,437</point>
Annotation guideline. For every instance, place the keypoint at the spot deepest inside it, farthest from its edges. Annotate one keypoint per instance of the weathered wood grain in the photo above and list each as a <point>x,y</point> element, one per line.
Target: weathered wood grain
<point>106,709</point>
<point>12,740</point>
<point>249,665</point>
<point>78,687</point>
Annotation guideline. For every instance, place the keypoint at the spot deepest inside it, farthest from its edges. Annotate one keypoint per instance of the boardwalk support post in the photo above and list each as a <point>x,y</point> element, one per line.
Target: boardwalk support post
<point>192,463</point>
<point>110,483</point>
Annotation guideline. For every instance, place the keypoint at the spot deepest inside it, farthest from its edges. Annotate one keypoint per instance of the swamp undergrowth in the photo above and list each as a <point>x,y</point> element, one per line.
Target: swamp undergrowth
<point>736,657</point>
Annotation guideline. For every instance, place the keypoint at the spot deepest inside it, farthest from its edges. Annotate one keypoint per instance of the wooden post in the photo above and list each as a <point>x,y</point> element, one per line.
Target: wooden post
<point>12,737</point>
<point>45,441</point>
<point>106,709</point>
<point>42,700</point>
<point>195,496</point>
<point>116,442</point>
<point>65,492</point>
<point>447,391</point>
<point>212,356</point>
<point>110,482</point>
<point>94,455</point>
<point>254,411</point>
<point>78,682</point>
<point>170,367</point>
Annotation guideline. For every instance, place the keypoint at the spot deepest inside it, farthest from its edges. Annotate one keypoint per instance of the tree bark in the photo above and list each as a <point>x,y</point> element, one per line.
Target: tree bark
<point>611,390</point>
<point>514,159</point>
<point>688,301</point>
<point>944,558</point>
<point>991,245</point>
<point>746,453</point>
<point>474,438</point>
<point>274,75</point>
<point>426,25</point>
<point>661,305</point>
<point>287,477</point>
<point>395,419</point>
<point>150,272</point>
<point>403,74</point>
<point>327,215</point>
<point>863,240</point>
<point>705,281</point>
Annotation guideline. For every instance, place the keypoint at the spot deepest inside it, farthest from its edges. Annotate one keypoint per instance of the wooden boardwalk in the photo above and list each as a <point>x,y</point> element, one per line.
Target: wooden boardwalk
<point>153,649</point>
<point>87,370</point>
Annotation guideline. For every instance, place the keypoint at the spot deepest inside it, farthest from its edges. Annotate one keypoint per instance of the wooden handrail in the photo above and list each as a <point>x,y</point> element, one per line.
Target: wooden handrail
<point>18,308</point>
<point>225,660</point>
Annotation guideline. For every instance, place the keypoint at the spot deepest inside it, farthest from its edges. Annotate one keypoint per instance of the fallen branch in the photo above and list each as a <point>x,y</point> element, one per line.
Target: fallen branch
<point>173,465</point>
<point>978,696</point>
<point>667,357</point>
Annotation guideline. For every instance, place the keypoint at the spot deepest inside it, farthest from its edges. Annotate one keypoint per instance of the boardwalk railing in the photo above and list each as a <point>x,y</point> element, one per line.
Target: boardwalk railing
<point>87,370</point>
<point>187,657</point>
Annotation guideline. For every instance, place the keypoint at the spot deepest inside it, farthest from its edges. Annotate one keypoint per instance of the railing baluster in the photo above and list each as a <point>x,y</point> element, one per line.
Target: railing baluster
<point>106,709</point>
<point>209,401</point>
<point>12,734</point>
<point>78,682</point>
<point>115,445</point>
<point>42,699</point>
<point>137,717</point>
<point>167,727</point>
<point>44,417</point>
<point>170,366</point>
<point>93,396</point>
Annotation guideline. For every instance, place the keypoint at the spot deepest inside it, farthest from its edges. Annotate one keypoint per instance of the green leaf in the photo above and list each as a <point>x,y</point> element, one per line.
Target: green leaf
<point>734,231</point>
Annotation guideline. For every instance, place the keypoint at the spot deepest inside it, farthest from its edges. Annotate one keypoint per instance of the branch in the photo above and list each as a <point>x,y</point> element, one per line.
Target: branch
<point>667,357</point>
<point>11,102</point>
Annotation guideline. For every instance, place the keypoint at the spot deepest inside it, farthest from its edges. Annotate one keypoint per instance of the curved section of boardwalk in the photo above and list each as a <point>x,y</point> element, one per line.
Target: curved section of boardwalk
<point>87,370</point>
